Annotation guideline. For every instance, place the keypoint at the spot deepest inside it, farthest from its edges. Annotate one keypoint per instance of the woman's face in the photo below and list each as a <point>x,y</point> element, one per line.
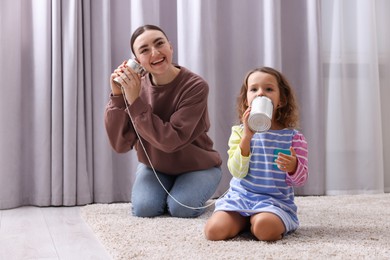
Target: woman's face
<point>263,84</point>
<point>153,51</point>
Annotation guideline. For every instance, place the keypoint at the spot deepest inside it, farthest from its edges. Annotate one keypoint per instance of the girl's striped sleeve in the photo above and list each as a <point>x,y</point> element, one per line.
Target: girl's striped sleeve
<point>237,164</point>
<point>299,177</point>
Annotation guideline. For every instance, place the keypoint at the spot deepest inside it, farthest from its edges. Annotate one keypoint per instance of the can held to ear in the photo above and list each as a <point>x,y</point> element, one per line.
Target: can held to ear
<point>260,117</point>
<point>134,66</point>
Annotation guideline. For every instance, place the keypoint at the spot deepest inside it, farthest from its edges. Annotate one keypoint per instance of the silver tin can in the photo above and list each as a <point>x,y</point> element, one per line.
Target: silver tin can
<point>134,66</point>
<point>260,117</point>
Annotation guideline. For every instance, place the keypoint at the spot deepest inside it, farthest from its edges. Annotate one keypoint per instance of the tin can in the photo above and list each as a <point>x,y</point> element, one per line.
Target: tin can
<point>260,117</point>
<point>134,66</point>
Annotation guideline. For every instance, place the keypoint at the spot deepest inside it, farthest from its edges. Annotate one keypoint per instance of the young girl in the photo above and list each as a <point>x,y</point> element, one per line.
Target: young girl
<point>265,166</point>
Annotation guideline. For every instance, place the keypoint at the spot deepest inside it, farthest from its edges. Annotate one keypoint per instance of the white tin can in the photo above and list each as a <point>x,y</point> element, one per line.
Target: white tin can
<point>260,117</point>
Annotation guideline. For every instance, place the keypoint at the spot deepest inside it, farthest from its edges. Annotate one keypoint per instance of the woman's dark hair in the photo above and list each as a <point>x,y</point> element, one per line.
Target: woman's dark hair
<point>140,30</point>
<point>287,114</point>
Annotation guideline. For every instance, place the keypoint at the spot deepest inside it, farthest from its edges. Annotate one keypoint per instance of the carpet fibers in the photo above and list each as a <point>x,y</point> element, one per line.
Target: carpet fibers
<point>332,227</point>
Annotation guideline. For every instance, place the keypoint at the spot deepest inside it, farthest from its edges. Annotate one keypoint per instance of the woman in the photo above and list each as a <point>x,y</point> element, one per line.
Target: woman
<point>164,116</point>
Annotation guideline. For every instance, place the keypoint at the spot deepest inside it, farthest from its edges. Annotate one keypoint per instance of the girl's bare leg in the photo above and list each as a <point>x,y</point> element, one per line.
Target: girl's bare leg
<point>224,225</point>
<point>267,226</point>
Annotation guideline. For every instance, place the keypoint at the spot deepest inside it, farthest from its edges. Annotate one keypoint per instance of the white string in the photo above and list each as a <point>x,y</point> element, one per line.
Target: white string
<point>150,162</point>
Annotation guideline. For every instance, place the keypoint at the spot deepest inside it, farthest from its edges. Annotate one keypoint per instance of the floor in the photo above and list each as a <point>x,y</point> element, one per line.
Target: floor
<point>47,233</point>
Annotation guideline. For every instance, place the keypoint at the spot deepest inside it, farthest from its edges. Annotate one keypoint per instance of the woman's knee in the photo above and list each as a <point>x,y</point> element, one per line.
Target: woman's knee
<point>145,209</point>
<point>148,196</point>
<point>182,210</point>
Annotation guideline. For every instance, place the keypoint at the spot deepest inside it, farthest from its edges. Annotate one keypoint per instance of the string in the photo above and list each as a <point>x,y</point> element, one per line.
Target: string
<point>151,165</point>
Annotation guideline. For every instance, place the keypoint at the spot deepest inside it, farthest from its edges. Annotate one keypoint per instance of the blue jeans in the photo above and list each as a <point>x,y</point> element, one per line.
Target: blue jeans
<point>192,189</point>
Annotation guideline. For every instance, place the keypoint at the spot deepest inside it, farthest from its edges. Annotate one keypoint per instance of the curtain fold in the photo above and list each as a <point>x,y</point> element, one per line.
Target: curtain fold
<point>302,64</point>
<point>11,172</point>
<point>56,58</point>
<point>354,126</point>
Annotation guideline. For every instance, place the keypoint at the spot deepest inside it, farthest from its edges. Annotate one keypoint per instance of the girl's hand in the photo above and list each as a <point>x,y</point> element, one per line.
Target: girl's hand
<point>287,163</point>
<point>247,131</point>
<point>247,135</point>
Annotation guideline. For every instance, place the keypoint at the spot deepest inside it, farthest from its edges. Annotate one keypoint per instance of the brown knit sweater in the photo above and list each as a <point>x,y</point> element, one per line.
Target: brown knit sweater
<point>172,121</point>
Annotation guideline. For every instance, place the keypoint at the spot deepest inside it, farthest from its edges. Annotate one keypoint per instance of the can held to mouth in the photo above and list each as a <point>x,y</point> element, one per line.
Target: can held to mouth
<point>134,66</point>
<point>260,117</point>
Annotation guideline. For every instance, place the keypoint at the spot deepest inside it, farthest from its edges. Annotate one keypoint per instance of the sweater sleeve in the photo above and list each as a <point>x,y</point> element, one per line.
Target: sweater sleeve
<point>237,164</point>
<point>299,177</point>
<point>119,129</point>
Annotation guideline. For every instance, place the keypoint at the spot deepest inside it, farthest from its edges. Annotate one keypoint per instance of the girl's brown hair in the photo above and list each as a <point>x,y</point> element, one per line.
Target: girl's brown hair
<point>287,113</point>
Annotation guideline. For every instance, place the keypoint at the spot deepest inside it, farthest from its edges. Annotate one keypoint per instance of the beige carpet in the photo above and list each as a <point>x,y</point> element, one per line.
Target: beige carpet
<point>332,227</point>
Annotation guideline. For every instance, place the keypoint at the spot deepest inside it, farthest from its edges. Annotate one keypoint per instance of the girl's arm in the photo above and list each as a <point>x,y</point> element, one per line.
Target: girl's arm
<point>238,164</point>
<point>299,176</point>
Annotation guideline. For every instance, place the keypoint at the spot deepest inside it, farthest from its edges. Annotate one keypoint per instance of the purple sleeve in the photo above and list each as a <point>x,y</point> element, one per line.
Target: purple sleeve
<point>299,177</point>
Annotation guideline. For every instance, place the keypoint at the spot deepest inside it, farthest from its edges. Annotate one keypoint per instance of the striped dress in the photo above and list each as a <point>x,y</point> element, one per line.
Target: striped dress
<point>258,185</point>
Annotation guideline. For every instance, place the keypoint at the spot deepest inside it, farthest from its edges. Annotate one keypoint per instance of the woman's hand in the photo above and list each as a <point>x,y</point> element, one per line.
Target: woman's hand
<point>128,79</point>
<point>115,86</point>
<point>287,163</point>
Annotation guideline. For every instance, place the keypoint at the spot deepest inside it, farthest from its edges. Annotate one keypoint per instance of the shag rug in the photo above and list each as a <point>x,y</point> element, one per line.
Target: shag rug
<point>331,227</point>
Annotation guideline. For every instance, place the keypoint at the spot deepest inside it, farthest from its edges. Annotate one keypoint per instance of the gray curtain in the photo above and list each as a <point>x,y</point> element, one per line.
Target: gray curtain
<point>56,58</point>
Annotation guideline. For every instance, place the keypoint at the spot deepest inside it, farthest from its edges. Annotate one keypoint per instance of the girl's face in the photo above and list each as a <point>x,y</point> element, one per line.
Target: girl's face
<point>263,84</point>
<point>153,51</point>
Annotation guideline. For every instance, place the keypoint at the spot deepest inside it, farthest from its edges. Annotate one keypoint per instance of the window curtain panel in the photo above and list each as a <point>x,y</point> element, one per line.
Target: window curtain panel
<point>56,58</point>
